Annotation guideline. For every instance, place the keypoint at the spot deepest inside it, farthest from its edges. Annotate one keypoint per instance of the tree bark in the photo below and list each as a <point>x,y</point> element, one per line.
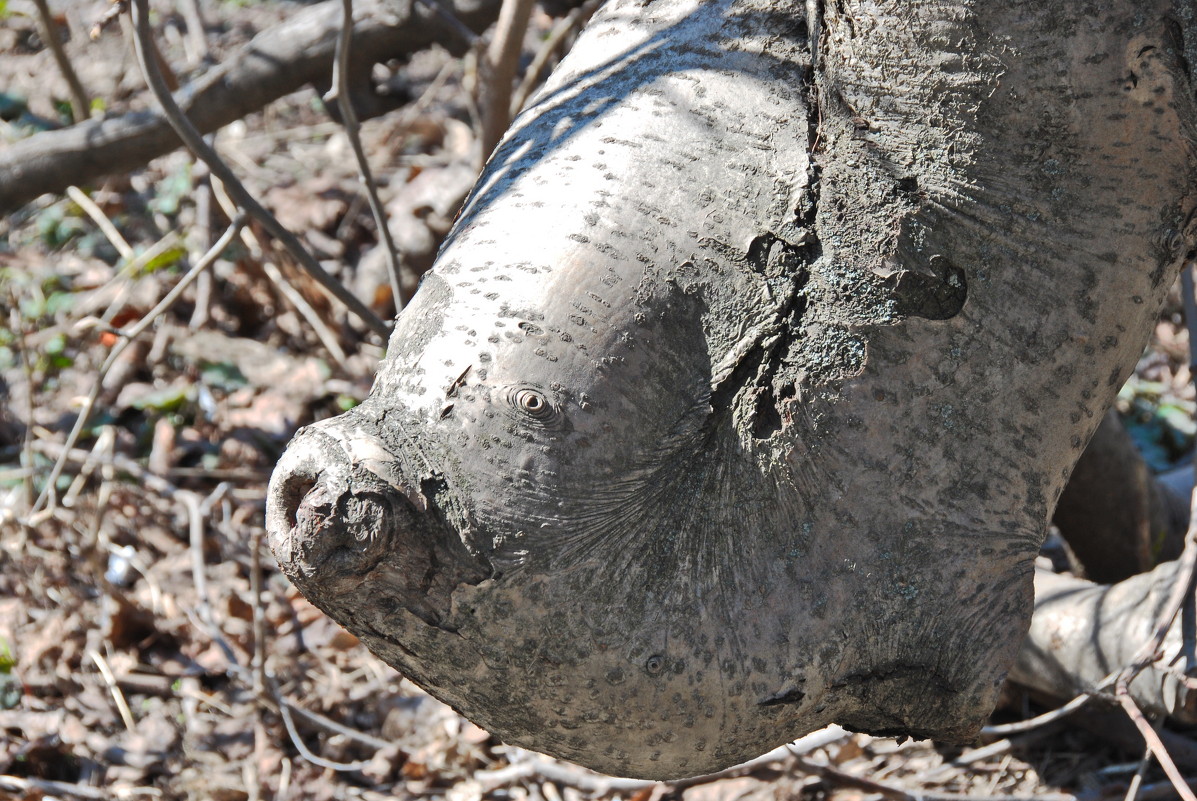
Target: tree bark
<point>1082,632</point>
<point>276,62</point>
<point>742,391</point>
<point>1116,517</point>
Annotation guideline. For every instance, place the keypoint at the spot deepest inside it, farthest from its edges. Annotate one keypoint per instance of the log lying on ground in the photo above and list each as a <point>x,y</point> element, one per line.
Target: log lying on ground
<point>1116,516</point>
<point>740,395</point>
<point>1082,632</point>
<point>274,63</point>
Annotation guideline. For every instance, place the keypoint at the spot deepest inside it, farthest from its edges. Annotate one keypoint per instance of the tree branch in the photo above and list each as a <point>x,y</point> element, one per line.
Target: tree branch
<point>195,142</point>
<point>1081,631</point>
<point>349,119</point>
<point>274,63</point>
<point>80,105</point>
<point>498,72</point>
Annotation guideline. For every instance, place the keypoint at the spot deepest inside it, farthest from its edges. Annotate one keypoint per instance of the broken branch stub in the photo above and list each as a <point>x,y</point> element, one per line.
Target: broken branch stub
<point>743,388</point>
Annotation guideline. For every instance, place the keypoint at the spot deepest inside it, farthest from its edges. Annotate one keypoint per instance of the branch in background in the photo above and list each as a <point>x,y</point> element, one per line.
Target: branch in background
<point>80,105</point>
<point>570,23</point>
<point>193,15</point>
<point>195,142</point>
<point>497,72</point>
<point>274,63</point>
<point>469,37</point>
<point>344,100</point>
<point>1081,631</point>
<point>1117,518</point>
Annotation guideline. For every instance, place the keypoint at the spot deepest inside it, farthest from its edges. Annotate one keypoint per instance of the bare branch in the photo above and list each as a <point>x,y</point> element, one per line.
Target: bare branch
<point>80,105</point>
<point>344,100</point>
<point>568,24</point>
<point>498,71</point>
<point>1153,743</point>
<point>276,62</point>
<point>195,141</point>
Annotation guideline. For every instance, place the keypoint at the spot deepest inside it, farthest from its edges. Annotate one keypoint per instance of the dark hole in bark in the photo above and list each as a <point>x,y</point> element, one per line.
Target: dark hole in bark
<point>295,489</point>
<point>768,419</point>
<point>791,696</point>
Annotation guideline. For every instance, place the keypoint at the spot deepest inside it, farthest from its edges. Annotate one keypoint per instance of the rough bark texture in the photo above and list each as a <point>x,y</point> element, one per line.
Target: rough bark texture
<point>744,387</point>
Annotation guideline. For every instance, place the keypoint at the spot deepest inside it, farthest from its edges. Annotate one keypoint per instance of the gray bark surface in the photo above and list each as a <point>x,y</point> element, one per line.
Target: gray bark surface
<point>740,395</point>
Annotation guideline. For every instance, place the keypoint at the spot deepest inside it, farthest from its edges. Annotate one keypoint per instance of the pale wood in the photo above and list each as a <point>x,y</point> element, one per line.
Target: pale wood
<point>740,396</point>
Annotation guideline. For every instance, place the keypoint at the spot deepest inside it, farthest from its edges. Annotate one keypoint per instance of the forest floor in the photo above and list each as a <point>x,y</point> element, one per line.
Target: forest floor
<point>149,646</point>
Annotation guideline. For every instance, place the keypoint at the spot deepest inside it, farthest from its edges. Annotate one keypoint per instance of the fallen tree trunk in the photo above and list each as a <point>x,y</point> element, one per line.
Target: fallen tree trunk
<point>1082,632</point>
<point>1118,519</point>
<point>274,63</point>
<point>742,391</point>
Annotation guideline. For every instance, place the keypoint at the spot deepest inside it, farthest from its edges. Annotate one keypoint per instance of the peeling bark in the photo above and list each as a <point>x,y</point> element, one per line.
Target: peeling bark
<point>743,389</point>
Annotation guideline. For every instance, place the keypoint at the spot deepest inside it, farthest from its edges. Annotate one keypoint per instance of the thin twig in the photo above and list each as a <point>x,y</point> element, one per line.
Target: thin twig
<point>344,100</point>
<point>565,26</point>
<point>837,776</point>
<point>197,512</point>
<point>1163,789</point>
<point>101,220</point>
<point>16,325</point>
<point>122,705</point>
<point>255,589</point>
<point>122,463</point>
<point>257,664</point>
<point>459,27</point>
<point>305,752</point>
<point>1153,742</point>
<point>143,42</point>
<point>193,15</point>
<point>130,335</point>
<point>80,105</point>
<point>598,784</point>
<point>967,758</point>
<point>114,10</point>
<point>1186,570</point>
<point>22,784</point>
<point>202,231</point>
<point>333,726</point>
<point>1047,717</point>
<point>293,295</point>
<point>1137,780</point>
<point>103,446</point>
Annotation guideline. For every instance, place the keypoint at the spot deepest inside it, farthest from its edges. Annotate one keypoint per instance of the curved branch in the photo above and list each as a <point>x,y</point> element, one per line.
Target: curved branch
<point>274,63</point>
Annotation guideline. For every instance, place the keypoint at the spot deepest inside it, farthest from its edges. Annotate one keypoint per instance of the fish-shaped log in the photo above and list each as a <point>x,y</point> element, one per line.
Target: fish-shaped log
<point>740,395</point>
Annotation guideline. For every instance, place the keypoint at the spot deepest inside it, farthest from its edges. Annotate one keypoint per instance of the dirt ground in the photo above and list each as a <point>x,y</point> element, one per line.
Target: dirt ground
<point>149,647</point>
